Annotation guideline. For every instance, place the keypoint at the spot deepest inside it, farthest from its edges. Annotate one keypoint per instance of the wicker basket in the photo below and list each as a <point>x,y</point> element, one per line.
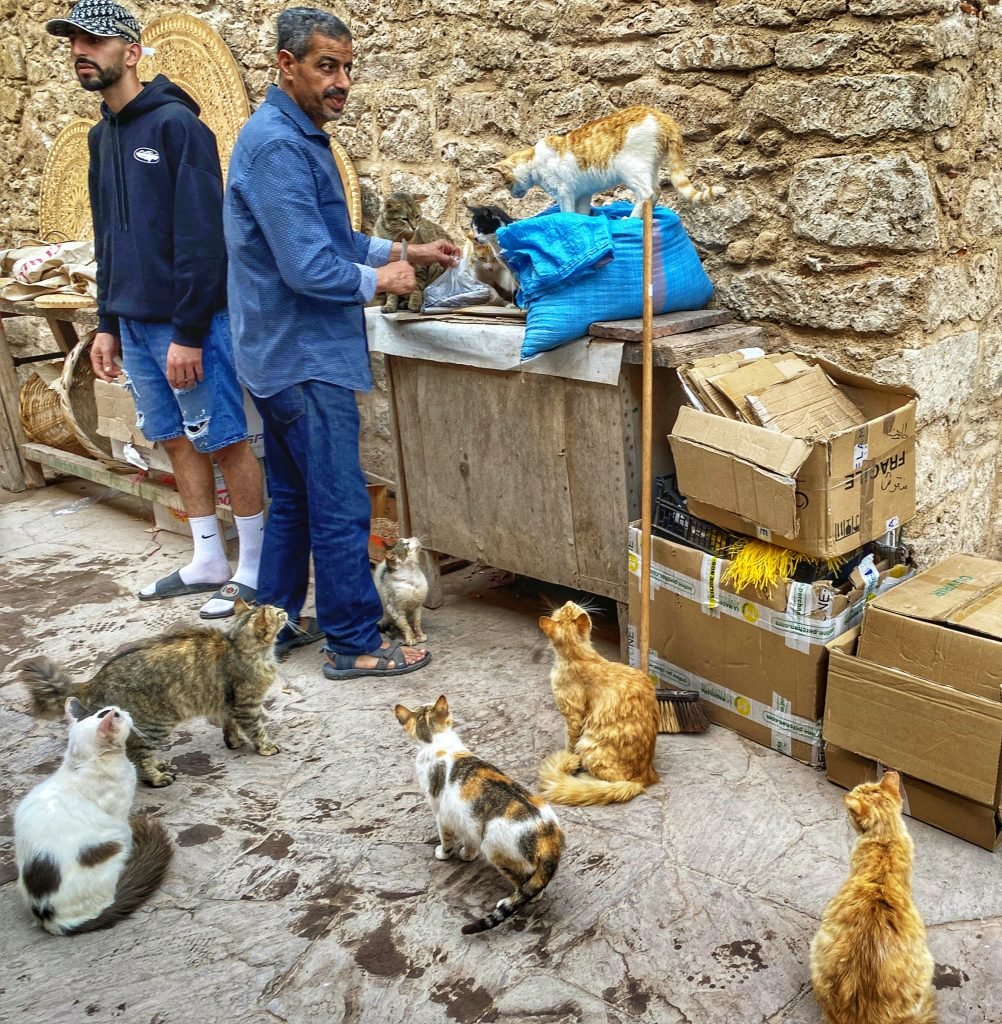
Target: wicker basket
<point>42,416</point>
<point>76,396</point>
<point>63,414</point>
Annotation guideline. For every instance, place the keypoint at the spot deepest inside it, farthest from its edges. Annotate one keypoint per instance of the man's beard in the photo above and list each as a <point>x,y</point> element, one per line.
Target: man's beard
<point>104,77</point>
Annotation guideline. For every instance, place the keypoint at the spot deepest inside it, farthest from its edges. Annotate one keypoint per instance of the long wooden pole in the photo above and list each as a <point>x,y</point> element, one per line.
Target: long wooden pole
<point>647,431</point>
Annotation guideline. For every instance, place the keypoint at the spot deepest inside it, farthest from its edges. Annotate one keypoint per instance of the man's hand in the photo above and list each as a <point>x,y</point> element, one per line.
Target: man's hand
<point>440,251</point>
<point>105,349</point>
<point>396,278</point>
<point>184,366</point>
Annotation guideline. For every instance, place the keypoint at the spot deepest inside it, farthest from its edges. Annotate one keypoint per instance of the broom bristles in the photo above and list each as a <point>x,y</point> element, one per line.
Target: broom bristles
<point>680,711</point>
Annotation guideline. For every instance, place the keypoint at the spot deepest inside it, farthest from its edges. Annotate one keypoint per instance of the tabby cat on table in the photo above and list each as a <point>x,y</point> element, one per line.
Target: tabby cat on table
<point>401,219</point>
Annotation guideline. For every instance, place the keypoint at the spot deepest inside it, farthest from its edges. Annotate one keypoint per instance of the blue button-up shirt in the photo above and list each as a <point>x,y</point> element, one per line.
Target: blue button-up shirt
<point>298,274</point>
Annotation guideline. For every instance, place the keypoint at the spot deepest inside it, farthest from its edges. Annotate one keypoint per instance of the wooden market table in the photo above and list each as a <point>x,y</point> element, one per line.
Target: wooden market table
<point>21,462</point>
<point>535,473</point>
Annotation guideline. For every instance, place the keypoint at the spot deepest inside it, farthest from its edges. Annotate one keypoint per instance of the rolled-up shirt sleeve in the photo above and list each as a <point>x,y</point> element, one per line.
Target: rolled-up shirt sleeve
<point>283,199</point>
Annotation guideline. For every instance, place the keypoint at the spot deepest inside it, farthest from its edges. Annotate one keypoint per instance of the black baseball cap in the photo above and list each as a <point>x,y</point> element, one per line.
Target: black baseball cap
<point>98,18</point>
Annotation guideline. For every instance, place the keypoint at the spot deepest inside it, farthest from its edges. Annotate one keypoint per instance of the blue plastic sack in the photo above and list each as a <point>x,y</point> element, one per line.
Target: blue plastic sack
<point>574,270</point>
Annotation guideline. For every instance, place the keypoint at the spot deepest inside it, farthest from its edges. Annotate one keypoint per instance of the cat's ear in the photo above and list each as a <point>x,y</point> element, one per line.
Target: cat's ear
<point>441,709</point>
<point>547,625</point>
<point>240,606</point>
<point>404,715</point>
<point>858,811</point>
<point>583,624</point>
<point>75,711</point>
<point>107,728</point>
<point>891,783</point>
<point>417,197</point>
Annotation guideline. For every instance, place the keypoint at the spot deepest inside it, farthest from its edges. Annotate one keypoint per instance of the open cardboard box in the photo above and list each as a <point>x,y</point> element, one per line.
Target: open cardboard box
<point>822,497</point>
<point>758,659</point>
<point>976,823</point>
<point>946,743</point>
<point>116,419</point>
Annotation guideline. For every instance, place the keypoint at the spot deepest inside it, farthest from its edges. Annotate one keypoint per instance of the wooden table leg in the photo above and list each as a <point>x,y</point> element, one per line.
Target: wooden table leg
<point>16,472</point>
<point>64,332</point>
<point>433,574</point>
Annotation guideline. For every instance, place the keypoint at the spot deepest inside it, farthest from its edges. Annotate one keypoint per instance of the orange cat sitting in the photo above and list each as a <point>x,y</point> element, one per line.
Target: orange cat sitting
<point>869,960</point>
<point>611,716</point>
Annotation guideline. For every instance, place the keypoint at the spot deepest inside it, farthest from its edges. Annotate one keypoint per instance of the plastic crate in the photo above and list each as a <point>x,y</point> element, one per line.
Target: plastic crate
<point>672,520</point>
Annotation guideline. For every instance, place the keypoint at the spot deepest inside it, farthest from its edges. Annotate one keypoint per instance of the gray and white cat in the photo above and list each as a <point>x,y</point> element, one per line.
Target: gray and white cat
<point>402,587</point>
<point>82,865</point>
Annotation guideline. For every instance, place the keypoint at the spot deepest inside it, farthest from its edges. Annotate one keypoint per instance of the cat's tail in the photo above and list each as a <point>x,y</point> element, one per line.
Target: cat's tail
<point>549,846</point>
<point>557,785</point>
<point>676,165</point>
<point>141,876</point>
<point>49,685</point>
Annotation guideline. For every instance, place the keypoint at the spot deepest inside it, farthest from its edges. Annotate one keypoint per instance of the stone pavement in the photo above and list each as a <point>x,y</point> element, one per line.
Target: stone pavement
<point>304,888</point>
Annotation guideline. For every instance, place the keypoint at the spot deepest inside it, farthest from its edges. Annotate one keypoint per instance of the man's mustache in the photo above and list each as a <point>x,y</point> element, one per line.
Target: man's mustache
<point>86,64</point>
<point>333,94</point>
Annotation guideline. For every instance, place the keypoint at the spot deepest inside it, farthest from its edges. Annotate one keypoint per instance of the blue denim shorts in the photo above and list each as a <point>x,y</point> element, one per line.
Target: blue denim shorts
<point>211,413</point>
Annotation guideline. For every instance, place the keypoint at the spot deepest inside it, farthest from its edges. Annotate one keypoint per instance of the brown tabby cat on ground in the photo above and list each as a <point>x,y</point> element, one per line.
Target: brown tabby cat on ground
<point>624,148</point>
<point>401,219</point>
<point>611,716</point>
<point>173,678</point>
<point>869,960</point>
<point>478,808</point>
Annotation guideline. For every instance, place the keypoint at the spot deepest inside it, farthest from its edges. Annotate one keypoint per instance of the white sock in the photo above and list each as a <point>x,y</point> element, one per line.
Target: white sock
<point>250,531</point>
<point>209,563</point>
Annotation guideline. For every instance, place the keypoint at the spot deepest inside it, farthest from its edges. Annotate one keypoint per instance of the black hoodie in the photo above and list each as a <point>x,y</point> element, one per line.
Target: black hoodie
<point>156,195</point>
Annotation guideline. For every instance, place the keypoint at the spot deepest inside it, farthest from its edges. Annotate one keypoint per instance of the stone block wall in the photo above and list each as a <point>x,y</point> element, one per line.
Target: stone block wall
<point>860,142</point>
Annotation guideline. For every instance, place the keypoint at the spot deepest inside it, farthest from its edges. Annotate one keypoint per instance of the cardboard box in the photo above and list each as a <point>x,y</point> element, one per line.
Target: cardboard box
<point>947,738</point>
<point>759,660</point>
<point>945,626</point>
<point>823,497</point>
<point>974,822</point>
<point>116,419</point>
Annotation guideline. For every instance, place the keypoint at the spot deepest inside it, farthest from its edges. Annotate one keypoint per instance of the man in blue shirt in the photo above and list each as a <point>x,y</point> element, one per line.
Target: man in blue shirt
<point>298,279</point>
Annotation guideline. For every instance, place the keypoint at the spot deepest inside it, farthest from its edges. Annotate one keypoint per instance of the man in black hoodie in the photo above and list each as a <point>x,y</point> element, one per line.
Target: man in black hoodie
<point>156,195</point>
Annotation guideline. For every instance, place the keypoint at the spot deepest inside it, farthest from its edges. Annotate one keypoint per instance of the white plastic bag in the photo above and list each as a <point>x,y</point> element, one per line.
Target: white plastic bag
<point>457,287</point>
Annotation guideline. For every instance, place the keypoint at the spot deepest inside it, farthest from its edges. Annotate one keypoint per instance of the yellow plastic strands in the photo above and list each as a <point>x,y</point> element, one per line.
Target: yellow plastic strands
<point>754,563</point>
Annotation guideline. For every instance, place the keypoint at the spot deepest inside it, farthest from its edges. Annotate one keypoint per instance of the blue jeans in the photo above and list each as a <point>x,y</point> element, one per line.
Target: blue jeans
<point>211,413</point>
<point>319,503</point>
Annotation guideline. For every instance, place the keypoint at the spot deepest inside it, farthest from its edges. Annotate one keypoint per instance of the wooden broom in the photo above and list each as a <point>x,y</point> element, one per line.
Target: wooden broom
<point>678,710</point>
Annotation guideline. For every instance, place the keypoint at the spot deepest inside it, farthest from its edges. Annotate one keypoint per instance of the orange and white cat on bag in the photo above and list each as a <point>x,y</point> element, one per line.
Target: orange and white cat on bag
<point>869,960</point>
<point>611,715</point>
<point>623,148</point>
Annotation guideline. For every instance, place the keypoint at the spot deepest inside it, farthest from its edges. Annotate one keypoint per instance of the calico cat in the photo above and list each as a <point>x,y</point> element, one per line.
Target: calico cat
<point>483,256</point>
<point>82,865</point>
<point>176,677</point>
<point>402,587</point>
<point>624,148</point>
<point>478,808</point>
<point>611,715</point>
<point>869,960</point>
<point>399,219</point>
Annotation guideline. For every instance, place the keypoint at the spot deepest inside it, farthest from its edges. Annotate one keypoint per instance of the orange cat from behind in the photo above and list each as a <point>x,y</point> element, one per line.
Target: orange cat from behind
<point>611,715</point>
<point>869,960</point>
